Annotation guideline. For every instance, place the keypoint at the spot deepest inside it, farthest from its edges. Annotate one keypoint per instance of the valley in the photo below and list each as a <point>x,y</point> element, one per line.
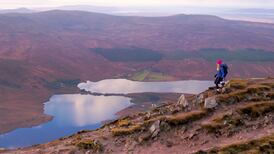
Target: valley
<point>48,53</point>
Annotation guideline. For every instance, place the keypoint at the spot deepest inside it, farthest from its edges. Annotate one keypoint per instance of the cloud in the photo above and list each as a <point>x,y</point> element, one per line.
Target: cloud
<point>212,3</point>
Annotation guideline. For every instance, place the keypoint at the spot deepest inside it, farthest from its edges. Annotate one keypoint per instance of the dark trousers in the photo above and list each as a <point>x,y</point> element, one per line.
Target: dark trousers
<point>217,81</point>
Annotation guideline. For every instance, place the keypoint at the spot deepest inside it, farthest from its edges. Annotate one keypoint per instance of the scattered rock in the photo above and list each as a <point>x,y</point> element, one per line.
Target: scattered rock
<point>169,143</point>
<point>132,146</point>
<point>144,136</point>
<point>200,98</point>
<point>175,109</point>
<point>153,106</point>
<point>210,102</point>
<point>224,90</point>
<point>155,128</point>
<point>204,142</point>
<point>266,120</point>
<point>119,141</point>
<point>192,144</point>
<point>192,135</point>
<point>182,101</point>
<point>148,115</point>
<point>184,129</point>
<point>88,152</point>
<point>164,126</point>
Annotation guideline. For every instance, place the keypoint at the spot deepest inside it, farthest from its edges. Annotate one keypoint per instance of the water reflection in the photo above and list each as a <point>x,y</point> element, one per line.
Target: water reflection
<point>81,110</point>
<point>71,114</point>
<point>123,86</point>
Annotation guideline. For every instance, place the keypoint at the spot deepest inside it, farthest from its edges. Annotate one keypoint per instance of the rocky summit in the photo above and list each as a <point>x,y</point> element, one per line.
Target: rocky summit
<point>239,119</point>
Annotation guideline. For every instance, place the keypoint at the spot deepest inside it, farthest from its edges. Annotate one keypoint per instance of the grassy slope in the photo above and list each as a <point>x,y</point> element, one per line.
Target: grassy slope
<point>242,122</point>
<point>147,75</point>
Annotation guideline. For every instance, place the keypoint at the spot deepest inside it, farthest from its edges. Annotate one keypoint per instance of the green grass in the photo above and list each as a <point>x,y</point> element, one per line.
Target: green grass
<point>147,75</point>
<point>90,145</point>
<point>261,145</point>
<point>157,76</point>
<point>140,76</point>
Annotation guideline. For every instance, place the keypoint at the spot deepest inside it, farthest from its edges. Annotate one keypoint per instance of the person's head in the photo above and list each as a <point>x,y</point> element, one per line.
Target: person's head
<point>219,62</point>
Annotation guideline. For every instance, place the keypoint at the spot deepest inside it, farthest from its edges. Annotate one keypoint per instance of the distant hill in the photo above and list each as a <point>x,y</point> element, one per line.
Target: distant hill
<point>179,32</point>
<point>258,15</point>
<point>256,11</point>
<point>19,10</point>
<point>89,8</point>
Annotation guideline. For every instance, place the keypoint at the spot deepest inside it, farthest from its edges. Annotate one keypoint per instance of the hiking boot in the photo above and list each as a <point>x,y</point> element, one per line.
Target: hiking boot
<point>223,83</point>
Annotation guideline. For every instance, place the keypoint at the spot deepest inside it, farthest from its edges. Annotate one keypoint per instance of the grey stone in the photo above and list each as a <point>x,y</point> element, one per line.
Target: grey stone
<point>155,128</point>
<point>192,135</point>
<point>183,101</point>
<point>144,136</point>
<point>200,98</point>
<point>148,115</point>
<point>210,102</point>
<point>164,126</point>
<point>153,106</point>
<point>88,152</point>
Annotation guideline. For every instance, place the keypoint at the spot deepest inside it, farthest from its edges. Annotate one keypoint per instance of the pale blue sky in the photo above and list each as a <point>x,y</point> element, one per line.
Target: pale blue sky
<point>6,4</point>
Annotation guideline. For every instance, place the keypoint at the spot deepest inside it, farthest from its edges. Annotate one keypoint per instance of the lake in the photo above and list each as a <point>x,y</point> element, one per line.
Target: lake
<point>71,113</point>
<point>124,86</point>
<point>74,112</point>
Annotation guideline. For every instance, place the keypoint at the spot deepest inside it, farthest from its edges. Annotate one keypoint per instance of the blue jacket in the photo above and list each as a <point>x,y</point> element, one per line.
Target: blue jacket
<point>221,72</point>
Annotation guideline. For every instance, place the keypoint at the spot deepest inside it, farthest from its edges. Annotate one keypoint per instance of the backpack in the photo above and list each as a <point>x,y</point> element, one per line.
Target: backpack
<point>225,69</point>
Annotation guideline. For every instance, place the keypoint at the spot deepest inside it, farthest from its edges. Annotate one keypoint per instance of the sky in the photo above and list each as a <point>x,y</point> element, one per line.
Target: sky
<point>9,4</point>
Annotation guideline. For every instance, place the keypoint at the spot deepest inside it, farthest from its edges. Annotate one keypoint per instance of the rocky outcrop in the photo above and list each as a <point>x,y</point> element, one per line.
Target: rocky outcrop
<point>155,129</point>
<point>210,102</point>
<point>182,101</point>
<point>200,98</point>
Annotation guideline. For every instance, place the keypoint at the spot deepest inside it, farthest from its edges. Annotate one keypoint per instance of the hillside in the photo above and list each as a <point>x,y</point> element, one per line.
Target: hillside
<point>238,120</point>
<point>45,53</point>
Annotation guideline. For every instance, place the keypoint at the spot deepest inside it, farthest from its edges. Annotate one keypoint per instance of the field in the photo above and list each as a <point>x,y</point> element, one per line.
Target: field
<point>147,75</point>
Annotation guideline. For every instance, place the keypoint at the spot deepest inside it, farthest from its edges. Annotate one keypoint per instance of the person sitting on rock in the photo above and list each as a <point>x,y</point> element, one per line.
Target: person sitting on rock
<point>222,70</point>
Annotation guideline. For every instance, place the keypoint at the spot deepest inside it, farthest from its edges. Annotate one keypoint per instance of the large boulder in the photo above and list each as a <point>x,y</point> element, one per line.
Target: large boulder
<point>200,98</point>
<point>155,129</point>
<point>210,102</point>
<point>182,101</point>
